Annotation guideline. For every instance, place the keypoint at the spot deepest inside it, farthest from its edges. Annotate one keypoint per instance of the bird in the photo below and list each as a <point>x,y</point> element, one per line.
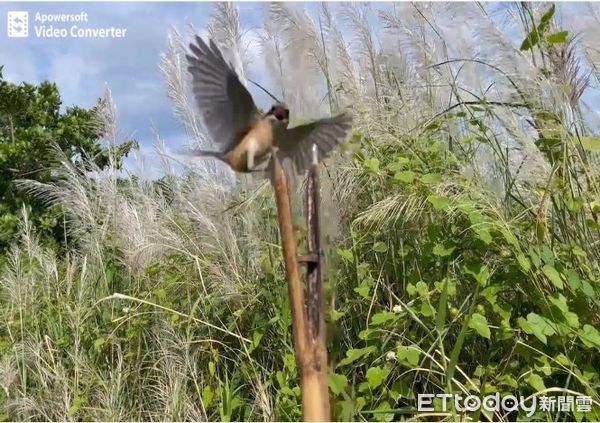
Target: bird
<point>246,136</point>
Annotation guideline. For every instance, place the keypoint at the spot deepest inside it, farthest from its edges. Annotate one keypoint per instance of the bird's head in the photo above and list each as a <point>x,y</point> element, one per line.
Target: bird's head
<point>279,113</point>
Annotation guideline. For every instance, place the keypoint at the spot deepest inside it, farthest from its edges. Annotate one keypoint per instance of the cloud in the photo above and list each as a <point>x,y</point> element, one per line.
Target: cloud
<point>72,74</point>
<point>84,68</point>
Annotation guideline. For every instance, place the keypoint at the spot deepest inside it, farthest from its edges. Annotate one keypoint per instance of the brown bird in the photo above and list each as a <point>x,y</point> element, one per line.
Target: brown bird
<point>234,123</point>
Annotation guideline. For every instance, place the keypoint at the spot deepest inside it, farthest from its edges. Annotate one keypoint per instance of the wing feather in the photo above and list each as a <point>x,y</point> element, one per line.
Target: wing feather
<point>226,107</point>
<point>326,134</point>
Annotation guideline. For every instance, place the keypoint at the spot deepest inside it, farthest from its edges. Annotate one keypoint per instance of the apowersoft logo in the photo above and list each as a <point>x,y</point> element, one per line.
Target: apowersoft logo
<point>59,25</point>
<point>17,24</point>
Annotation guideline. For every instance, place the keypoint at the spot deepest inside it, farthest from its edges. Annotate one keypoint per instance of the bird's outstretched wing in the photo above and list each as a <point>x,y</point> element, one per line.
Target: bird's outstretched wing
<point>226,106</point>
<point>327,134</point>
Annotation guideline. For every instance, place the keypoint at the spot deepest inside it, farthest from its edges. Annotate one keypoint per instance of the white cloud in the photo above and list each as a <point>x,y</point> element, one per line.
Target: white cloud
<point>76,77</point>
<point>83,68</point>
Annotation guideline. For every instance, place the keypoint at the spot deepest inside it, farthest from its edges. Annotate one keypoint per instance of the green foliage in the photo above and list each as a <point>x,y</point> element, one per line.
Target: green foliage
<point>483,301</point>
<point>31,123</point>
<point>458,295</point>
<point>438,284</point>
<point>540,32</point>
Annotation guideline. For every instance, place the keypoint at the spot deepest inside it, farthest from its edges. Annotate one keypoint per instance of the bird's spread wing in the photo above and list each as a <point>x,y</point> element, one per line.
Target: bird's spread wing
<point>326,134</point>
<point>226,106</point>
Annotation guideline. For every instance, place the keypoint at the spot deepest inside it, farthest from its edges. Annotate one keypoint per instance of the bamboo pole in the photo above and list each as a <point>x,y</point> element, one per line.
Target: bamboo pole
<point>314,284</point>
<point>311,354</point>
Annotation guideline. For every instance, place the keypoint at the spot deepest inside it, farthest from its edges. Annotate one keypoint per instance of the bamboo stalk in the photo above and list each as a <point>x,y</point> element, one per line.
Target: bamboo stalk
<point>310,352</point>
<point>314,284</point>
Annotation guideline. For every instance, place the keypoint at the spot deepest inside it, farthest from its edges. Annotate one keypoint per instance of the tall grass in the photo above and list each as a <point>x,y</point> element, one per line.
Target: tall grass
<point>463,246</point>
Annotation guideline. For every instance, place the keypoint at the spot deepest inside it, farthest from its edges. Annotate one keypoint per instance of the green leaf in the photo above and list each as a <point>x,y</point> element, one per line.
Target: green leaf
<point>480,325</point>
<point>411,355</point>
<point>504,311</point>
<point>590,336</point>
<point>558,37</point>
<point>508,380</point>
<point>547,255</point>
<point>475,217</point>
<point>448,284</point>
<point>535,381</point>
<point>280,378</point>
<point>347,409</point>
<point>407,176</point>
<point>376,376</point>
<point>553,275</point>
<point>383,317</point>
<point>336,314</point>
<point>99,343</point>
<point>536,325</point>
<point>530,41</point>
<point>588,289</point>
<point>372,164</point>
<point>354,354</point>
<point>573,279</point>
<point>381,415</point>
<point>560,303</point>
<point>439,203</point>
<point>422,288</point>
<point>401,390</point>
<point>76,405</point>
<point>480,273</point>
<point>578,251</point>
<point>346,255</point>
<point>524,262</point>
<point>257,336</point>
<point>337,383</point>
<point>490,293</point>
<point>484,235</point>
<point>572,319</point>
<point>380,247</point>
<point>431,178</point>
<point>510,237</point>
<point>404,250</point>
<point>370,333</point>
<point>364,290</point>
<point>591,143</point>
<point>398,165</point>
<point>440,250</point>
<point>426,309</point>
<point>363,387</point>
<point>207,396</point>
<point>535,257</point>
<point>546,17</point>
<point>574,204</point>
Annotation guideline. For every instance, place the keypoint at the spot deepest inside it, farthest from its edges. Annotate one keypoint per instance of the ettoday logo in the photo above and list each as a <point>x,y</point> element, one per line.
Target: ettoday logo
<point>18,24</point>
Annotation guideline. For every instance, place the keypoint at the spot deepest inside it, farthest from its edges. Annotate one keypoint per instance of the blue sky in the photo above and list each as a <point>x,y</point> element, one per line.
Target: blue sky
<point>83,68</point>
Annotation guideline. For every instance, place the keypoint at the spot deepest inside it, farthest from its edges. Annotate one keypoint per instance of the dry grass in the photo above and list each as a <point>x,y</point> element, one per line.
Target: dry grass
<point>401,67</point>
